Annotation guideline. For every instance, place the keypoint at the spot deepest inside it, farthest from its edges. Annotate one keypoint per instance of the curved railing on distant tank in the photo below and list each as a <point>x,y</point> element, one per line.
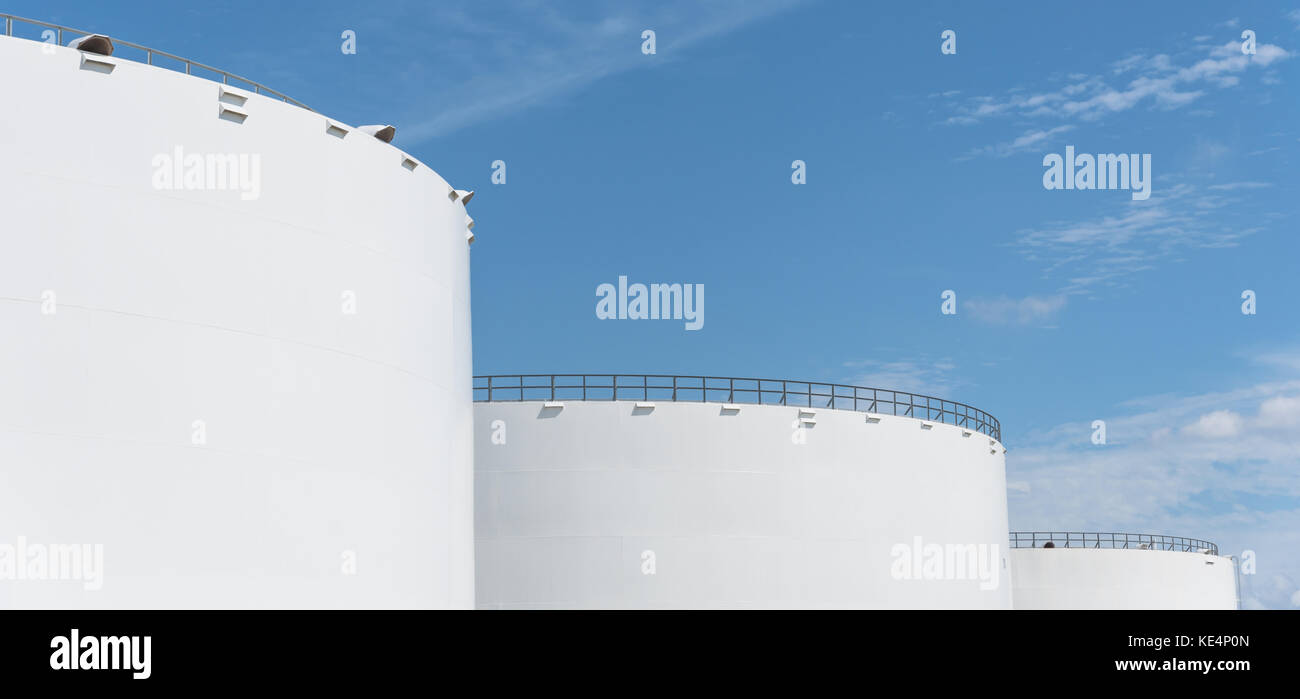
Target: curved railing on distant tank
<point>150,55</point>
<point>1111,540</point>
<point>720,389</point>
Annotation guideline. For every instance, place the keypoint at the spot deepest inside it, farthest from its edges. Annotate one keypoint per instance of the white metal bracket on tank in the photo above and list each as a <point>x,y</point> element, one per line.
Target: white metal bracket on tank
<point>97,64</point>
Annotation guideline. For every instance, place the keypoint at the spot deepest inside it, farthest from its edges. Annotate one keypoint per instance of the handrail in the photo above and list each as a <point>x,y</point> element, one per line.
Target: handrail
<point>1111,540</point>
<point>726,389</point>
<point>258,88</point>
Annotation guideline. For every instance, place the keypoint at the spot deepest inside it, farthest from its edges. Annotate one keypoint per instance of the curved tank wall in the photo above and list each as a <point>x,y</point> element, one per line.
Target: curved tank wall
<point>246,401</point>
<point>1069,578</point>
<point>609,505</point>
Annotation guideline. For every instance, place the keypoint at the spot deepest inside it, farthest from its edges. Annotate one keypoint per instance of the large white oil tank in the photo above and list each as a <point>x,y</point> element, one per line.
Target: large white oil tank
<point>699,492</point>
<point>1106,570</point>
<point>230,390</point>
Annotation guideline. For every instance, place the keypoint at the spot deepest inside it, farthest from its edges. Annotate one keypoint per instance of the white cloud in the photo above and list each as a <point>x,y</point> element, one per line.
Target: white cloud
<point>1232,186</point>
<point>492,69</point>
<point>1159,82</point>
<point>927,377</point>
<point>1280,411</point>
<point>1002,310</point>
<point>1216,425</point>
<point>1288,361</point>
<point>1105,250</point>
<point>1029,140</point>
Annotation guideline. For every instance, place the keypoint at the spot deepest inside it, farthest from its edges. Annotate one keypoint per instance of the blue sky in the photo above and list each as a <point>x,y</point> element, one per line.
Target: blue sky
<point>924,173</point>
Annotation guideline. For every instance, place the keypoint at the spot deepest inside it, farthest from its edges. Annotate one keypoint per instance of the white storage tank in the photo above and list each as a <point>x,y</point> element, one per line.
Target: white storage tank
<point>697,492</point>
<point>236,346</point>
<point>1104,570</point>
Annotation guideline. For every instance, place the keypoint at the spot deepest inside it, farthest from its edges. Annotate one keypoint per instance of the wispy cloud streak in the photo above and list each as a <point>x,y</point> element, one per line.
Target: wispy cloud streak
<point>1157,82</point>
<point>490,70</point>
